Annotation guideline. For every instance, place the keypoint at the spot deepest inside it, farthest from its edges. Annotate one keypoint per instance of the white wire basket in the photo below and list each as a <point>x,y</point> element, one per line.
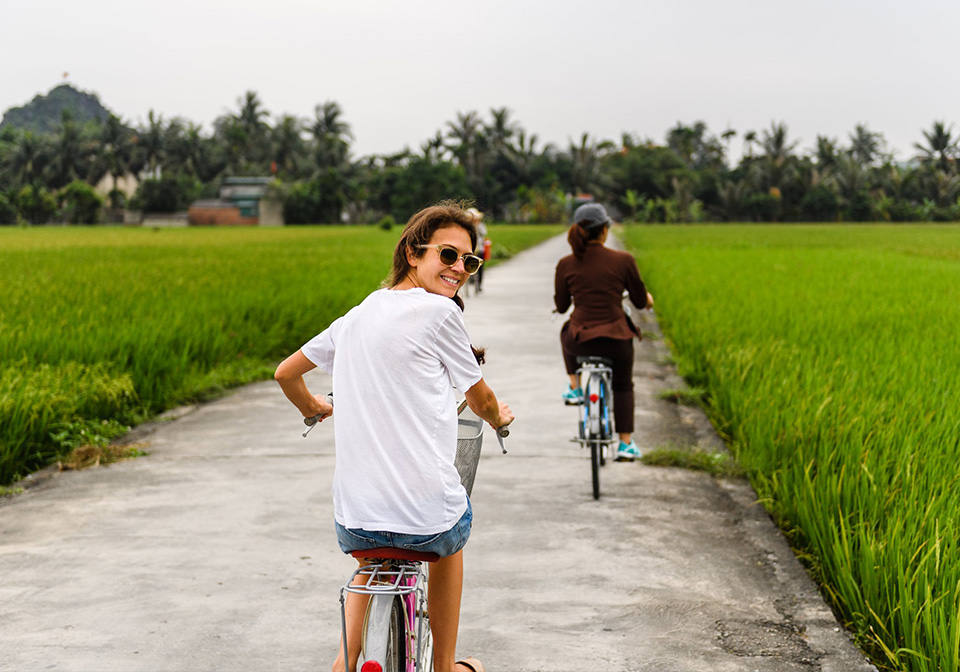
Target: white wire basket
<point>469,440</point>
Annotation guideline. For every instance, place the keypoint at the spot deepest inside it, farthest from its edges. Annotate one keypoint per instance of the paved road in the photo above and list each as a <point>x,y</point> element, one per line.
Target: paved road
<point>216,551</point>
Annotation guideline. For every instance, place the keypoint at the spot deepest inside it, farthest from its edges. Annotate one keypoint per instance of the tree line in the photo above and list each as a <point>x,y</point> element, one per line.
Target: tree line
<point>688,177</point>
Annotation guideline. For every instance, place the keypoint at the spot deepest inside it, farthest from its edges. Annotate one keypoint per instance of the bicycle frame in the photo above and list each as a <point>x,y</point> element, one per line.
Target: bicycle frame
<point>386,582</point>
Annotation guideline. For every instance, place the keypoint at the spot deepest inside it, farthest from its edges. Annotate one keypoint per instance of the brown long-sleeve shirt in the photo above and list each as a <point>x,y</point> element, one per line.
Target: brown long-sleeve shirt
<point>595,285</point>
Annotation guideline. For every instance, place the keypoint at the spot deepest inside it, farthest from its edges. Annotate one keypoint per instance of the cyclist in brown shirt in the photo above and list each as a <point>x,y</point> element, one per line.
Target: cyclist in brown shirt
<point>593,278</point>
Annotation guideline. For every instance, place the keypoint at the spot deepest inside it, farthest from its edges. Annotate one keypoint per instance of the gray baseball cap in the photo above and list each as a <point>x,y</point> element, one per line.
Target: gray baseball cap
<point>591,216</point>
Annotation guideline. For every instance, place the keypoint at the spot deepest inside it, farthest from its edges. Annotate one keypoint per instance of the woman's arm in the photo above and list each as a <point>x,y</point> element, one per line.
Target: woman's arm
<point>561,293</point>
<point>483,402</point>
<point>290,376</point>
<point>637,291</point>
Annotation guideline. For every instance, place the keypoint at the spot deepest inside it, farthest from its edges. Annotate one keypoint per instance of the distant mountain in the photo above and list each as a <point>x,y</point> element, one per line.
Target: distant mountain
<point>43,113</point>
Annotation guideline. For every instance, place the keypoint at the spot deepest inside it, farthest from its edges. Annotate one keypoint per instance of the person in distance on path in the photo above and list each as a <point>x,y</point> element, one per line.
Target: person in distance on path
<point>593,278</point>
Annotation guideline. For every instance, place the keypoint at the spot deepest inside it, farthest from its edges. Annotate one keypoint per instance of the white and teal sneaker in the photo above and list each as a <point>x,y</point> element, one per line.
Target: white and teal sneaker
<point>572,397</point>
<point>627,452</point>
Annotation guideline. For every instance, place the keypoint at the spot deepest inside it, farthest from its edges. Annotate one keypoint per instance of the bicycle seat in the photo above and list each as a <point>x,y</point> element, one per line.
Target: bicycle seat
<point>395,554</point>
<point>602,361</point>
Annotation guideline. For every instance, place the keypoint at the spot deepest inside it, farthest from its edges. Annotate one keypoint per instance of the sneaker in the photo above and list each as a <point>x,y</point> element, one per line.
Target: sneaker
<point>572,397</point>
<point>627,452</point>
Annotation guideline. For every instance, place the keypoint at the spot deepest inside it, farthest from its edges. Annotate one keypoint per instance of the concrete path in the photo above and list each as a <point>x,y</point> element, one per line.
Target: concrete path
<point>217,551</point>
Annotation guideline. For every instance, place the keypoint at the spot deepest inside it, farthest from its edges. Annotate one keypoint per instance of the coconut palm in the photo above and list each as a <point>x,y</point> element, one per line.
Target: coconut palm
<point>585,157</point>
<point>500,130</point>
<point>331,136</point>
<point>865,146</point>
<point>749,138</point>
<point>288,144</point>
<point>70,156</point>
<point>116,152</point>
<point>27,158</point>
<point>468,142</point>
<point>827,152</point>
<point>252,115</point>
<point>434,148</point>
<point>152,144</point>
<point>941,147</point>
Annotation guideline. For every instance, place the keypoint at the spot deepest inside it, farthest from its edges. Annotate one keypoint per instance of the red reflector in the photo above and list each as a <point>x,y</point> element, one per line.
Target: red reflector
<point>371,666</point>
<point>594,398</point>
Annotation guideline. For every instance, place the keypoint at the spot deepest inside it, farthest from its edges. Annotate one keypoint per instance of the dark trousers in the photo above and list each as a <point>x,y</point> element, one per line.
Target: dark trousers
<point>621,352</point>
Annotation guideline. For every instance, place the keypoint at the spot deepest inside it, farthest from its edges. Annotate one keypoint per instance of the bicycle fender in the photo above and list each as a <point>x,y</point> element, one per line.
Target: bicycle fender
<point>376,630</point>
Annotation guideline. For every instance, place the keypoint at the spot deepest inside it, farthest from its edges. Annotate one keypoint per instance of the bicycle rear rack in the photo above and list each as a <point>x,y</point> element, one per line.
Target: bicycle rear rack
<point>393,577</point>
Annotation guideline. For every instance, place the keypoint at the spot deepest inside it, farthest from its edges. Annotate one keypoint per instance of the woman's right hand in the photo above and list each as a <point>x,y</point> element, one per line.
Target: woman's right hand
<point>506,416</point>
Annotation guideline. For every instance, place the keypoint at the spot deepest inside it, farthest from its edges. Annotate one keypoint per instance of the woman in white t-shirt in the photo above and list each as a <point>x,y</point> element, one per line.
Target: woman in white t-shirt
<point>395,360</point>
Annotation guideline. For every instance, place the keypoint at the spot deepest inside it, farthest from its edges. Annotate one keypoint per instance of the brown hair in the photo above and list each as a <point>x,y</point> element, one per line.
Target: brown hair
<point>579,236</point>
<point>420,229</point>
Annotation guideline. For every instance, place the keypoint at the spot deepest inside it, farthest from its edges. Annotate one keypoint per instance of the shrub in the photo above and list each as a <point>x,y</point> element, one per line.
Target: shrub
<point>302,204</point>
<point>860,208</point>
<point>8,213</point>
<point>170,193</point>
<point>387,222</point>
<point>903,211</point>
<point>81,204</point>
<point>36,204</point>
<point>762,207</point>
<point>820,205</point>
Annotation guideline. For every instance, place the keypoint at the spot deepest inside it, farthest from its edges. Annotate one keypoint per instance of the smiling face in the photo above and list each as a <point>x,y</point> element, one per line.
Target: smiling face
<point>428,272</point>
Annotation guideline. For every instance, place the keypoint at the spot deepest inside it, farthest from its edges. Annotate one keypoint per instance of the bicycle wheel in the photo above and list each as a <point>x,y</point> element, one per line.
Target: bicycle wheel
<point>396,658</point>
<point>606,426</point>
<point>384,635</point>
<point>426,647</point>
<point>592,401</point>
<point>596,456</point>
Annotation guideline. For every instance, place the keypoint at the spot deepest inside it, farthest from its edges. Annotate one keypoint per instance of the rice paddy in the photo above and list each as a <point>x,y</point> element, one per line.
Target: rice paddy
<point>829,359</point>
<point>101,328</point>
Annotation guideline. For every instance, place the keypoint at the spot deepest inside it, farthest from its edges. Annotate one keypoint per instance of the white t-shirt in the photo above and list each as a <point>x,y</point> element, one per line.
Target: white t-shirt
<point>394,360</point>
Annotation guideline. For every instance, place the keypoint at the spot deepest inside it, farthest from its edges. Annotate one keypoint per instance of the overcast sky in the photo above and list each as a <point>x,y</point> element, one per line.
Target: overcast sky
<point>400,70</point>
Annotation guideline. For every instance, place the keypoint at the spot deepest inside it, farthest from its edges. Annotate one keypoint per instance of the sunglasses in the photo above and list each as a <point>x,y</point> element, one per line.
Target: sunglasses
<point>449,256</point>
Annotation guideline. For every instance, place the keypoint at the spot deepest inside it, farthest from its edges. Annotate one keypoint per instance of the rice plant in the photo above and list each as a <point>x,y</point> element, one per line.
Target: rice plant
<point>828,355</point>
<point>119,324</point>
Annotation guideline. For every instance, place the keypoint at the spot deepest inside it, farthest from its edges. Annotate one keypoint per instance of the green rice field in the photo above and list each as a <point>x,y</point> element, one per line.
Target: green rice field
<point>830,358</point>
<point>101,328</point>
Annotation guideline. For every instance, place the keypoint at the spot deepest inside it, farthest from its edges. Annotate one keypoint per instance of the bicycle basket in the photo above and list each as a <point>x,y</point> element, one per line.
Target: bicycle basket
<point>469,438</point>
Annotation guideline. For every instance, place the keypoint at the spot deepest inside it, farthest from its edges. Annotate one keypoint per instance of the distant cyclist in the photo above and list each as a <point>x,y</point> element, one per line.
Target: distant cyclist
<point>483,244</point>
<point>395,359</point>
<point>593,278</point>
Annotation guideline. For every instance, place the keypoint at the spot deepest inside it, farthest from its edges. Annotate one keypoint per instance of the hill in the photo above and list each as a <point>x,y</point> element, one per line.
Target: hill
<point>43,113</point>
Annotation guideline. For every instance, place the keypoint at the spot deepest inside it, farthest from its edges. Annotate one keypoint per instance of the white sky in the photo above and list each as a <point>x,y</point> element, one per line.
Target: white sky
<point>400,70</point>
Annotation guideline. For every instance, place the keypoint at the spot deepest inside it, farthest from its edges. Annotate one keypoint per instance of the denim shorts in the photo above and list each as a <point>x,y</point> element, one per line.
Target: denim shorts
<point>443,543</point>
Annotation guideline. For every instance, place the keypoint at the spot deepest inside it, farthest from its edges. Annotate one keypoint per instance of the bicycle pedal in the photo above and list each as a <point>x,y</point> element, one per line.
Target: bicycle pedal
<point>573,402</point>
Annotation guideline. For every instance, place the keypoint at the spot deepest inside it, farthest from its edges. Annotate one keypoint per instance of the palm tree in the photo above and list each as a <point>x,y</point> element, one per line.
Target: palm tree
<point>116,152</point>
<point>585,175</point>
<point>152,144</point>
<point>774,143</point>
<point>288,145</point>
<point>865,145</point>
<point>827,152</point>
<point>941,147</point>
<point>500,130</point>
<point>434,148</point>
<point>331,136</point>
<point>776,166</point>
<point>27,159</point>
<point>70,159</point>
<point>252,115</point>
<point>749,138</point>
<point>466,132</point>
